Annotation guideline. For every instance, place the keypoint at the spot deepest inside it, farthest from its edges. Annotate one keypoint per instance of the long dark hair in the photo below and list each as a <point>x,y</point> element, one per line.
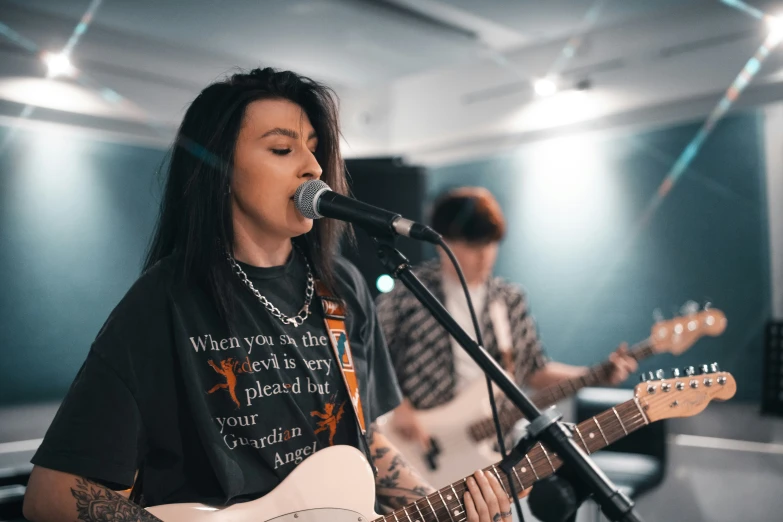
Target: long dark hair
<point>195,213</point>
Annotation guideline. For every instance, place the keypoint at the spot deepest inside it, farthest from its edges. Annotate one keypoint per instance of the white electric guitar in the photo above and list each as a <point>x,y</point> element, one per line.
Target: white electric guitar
<point>463,433</point>
<point>314,492</point>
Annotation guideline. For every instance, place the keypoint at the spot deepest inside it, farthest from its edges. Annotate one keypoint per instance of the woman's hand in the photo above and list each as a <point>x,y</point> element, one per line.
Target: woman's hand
<point>485,500</point>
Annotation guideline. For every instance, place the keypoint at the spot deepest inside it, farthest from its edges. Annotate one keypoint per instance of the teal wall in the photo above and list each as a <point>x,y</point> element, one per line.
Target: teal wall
<point>594,272</point>
<point>75,217</point>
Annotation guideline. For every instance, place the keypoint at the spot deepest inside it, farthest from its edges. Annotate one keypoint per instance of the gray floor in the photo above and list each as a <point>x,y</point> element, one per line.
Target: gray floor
<point>716,485</point>
<point>740,480</point>
<point>733,483</point>
<point>736,482</point>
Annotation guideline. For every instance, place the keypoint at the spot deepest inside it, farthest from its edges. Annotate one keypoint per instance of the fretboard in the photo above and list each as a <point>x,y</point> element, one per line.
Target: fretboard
<point>550,395</point>
<point>445,505</point>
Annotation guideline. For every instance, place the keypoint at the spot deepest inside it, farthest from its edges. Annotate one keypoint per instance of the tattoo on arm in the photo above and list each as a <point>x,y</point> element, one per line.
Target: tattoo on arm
<point>397,461</point>
<point>397,484</point>
<point>399,497</point>
<point>379,454</point>
<point>95,503</point>
<point>394,495</point>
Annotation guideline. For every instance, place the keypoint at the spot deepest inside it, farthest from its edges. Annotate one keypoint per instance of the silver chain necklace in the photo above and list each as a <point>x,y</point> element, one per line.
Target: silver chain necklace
<point>304,312</point>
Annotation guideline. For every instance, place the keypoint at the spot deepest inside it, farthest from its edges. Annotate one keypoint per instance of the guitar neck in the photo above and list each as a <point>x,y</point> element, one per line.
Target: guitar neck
<point>445,505</point>
<point>598,374</point>
<point>550,395</point>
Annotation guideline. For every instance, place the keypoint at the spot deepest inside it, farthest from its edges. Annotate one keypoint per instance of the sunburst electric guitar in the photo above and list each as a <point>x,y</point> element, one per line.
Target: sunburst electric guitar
<point>317,492</point>
<point>463,432</point>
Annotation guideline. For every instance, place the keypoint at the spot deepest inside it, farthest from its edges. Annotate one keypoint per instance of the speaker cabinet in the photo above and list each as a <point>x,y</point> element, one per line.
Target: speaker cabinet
<point>389,184</point>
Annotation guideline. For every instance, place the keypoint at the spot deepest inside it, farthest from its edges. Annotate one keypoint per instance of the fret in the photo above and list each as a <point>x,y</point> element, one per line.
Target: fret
<point>394,514</point>
<point>497,476</point>
<point>427,498</point>
<point>587,449</point>
<point>547,458</point>
<point>620,421</point>
<point>406,514</point>
<point>638,406</point>
<point>421,515</point>
<point>641,350</point>
<point>448,509</point>
<point>595,419</point>
<point>551,394</point>
<point>531,466</point>
<point>521,484</point>
<point>456,496</point>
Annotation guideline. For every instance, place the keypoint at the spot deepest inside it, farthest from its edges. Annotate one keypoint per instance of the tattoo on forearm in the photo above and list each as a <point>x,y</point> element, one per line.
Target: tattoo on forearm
<point>95,503</point>
<point>397,461</point>
<point>397,484</point>
<point>389,481</point>
<point>379,454</point>
<point>396,488</point>
<point>396,497</point>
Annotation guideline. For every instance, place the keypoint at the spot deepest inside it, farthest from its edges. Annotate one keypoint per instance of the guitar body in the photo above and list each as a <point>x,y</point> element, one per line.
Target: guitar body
<point>459,454</point>
<point>449,424</point>
<point>306,495</point>
<point>337,484</point>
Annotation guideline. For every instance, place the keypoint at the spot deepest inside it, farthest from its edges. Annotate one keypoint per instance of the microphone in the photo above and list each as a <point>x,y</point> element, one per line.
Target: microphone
<point>314,199</point>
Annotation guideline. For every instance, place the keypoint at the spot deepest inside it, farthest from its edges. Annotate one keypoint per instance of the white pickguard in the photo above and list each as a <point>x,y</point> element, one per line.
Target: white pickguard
<point>304,496</point>
<point>460,455</point>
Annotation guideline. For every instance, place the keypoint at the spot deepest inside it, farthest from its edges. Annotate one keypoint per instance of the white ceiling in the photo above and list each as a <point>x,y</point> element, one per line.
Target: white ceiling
<point>157,54</point>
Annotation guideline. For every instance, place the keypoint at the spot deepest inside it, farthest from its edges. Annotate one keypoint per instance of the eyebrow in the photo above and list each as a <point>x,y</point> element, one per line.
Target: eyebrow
<point>278,131</point>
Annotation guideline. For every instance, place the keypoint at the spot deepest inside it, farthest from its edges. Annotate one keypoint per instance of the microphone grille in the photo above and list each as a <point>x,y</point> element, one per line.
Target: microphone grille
<point>306,197</point>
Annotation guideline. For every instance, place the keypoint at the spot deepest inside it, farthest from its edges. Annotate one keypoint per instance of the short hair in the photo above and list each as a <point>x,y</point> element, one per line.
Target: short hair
<point>469,214</point>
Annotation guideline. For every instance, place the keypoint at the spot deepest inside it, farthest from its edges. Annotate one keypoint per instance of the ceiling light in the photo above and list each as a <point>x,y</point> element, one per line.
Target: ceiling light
<point>545,87</point>
<point>59,64</point>
<point>775,24</point>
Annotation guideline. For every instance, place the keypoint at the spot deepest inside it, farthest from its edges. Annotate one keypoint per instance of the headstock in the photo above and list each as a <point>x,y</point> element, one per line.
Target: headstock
<point>685,394</point>
<point>678,334</point>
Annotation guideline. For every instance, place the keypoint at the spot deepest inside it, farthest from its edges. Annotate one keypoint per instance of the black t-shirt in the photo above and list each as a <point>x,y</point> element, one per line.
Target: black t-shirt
<point>208,416</point>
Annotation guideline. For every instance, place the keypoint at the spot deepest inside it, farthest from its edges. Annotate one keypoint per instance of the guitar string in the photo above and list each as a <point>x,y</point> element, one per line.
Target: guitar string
<point>615,432</point>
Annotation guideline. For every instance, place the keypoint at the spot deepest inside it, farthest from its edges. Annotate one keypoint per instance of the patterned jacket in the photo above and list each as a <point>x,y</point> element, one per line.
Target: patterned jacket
<point>421,348</point>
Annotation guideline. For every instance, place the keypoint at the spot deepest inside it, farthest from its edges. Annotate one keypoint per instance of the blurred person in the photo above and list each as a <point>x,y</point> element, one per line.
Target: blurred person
<point>431,367</point>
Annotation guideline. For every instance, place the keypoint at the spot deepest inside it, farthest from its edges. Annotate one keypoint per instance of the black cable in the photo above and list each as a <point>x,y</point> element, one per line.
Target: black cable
<point>480,341</point>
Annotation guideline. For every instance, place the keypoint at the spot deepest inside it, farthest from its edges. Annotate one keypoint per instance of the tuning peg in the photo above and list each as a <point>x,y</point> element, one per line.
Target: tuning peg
<point>704,369</point>
<point>646,376</point>
<point>707,306</point>
<point>690,370</point>
<point>657,315</point>
<point>659,374</point>
<point>714,368</point>
<point>675,373</point>
<point>689,308</point>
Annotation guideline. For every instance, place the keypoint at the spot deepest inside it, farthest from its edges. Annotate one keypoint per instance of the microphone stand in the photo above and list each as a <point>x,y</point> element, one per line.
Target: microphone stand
<point>543,427</point>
